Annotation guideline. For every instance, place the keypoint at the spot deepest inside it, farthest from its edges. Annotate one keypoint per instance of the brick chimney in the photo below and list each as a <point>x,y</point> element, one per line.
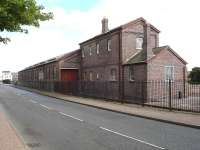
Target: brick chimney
<point>147,41</point>
<point>104,25</point>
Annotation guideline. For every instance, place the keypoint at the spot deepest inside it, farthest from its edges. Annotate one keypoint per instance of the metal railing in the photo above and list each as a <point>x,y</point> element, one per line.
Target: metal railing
<point>177,95</point>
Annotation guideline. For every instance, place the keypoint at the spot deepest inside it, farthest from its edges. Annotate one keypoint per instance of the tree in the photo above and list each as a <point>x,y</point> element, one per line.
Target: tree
<point>195,75</point>
<point>16,14</point>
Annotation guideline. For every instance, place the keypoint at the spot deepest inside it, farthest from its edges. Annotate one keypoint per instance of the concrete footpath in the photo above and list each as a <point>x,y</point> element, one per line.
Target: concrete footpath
<point>9,140</point>
<point>175,117</point>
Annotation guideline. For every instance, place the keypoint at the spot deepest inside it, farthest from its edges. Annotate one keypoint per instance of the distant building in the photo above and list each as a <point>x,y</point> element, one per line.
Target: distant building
<point>14,76</point>
<point>6,75</point>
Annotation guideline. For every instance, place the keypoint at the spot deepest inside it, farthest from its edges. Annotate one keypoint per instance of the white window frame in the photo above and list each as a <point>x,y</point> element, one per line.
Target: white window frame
<point>91,76</point>
<point>131,74</point>
<point>97,76</point>
<point>139,43</point>
<point>97,47</point>
<point>90,51</point>
<point>166,71</point>
<point>109,45</point>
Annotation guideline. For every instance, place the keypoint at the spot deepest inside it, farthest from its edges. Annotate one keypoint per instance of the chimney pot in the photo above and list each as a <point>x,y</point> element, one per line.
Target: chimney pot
<point>105,25</point>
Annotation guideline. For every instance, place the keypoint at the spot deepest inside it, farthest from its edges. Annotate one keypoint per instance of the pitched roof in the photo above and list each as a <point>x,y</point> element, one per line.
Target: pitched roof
<point>54,59</point>
<point>137,58</point>
<point>157,50</point>
<point>120,27</point>
<point>141,56</point>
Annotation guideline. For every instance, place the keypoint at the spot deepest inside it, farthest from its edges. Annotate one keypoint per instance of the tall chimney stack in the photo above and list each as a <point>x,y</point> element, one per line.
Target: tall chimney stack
<point>104,25</point>
<point>147,41</point>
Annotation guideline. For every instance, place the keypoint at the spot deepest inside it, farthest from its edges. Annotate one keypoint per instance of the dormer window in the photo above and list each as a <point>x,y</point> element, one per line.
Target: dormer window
<point>139,43</point>
<point>109,45</point>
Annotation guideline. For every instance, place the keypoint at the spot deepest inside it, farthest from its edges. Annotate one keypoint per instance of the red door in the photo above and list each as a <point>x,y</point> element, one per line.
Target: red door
<point>69,74</point>
<point>69,78</point>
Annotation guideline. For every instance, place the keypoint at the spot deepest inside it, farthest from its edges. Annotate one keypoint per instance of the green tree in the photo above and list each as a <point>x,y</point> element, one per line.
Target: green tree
<point>15,15</point>
<point>195,75</point>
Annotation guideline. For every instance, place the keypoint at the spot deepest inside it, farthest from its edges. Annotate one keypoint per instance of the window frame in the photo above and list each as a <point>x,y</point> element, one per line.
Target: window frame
<point>131,73</point>
<point>90,76</point>
<point>83,53</point>
<point>90,51</point>
<point>109,45</point>
<point>97,48</point>
<point>113,75</point>
<point>141,44</point>
<point>166,72</point>
<point>97,76</point>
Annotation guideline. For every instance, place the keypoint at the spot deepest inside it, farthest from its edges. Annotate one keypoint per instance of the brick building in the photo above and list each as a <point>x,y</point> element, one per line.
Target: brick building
<point>114,63</point>
<point>62,68</point>
<point>127,55</point>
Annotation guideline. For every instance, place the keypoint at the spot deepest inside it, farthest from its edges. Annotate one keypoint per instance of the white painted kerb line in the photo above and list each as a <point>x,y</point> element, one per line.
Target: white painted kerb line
<point>129,137</point>
<point>70,116</point>
<point>45,106</point>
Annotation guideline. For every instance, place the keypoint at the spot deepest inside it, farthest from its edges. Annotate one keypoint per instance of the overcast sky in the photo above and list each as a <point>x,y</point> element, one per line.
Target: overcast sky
<point>77,20</point>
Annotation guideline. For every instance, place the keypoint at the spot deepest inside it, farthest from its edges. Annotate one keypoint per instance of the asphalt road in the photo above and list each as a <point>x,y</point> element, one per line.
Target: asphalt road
<point>47,123</point>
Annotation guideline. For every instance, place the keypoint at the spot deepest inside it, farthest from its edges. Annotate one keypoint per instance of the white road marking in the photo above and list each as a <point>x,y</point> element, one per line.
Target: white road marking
<point>48,108</point>
<point>33,101</point>
<point>129,137</point>
<point>70,116</point>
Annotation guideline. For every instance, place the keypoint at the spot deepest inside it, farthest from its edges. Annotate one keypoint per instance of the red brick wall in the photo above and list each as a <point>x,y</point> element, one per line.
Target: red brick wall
<point>156,66</point>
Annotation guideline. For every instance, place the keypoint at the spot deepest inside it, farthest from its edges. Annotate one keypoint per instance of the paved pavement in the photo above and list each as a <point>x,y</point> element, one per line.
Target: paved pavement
<point>51,124</point>
<point>9,140</point>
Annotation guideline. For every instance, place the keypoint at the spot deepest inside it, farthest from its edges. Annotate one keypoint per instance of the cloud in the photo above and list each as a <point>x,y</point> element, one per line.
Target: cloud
<point>177,21</point>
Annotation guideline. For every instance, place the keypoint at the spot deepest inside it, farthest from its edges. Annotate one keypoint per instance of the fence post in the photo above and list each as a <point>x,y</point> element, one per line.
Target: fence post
<point>142,92</point>
<point>170,96</point>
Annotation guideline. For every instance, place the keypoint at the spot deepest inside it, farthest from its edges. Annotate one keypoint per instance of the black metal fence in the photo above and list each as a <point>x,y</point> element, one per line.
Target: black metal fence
<point>177,95</point>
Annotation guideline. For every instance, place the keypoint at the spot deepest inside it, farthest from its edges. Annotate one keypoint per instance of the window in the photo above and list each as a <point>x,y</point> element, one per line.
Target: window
<point>83,53</point>
<point>84,76</point>
<point>169,73</point>
<point>90,51</point>
<point>131,73</point>
<point>113,73</point>
<point>90,76</point>
<point>97,48</point>
<point>97,76</point>
<point>139,43</point>
<point>109,45</point>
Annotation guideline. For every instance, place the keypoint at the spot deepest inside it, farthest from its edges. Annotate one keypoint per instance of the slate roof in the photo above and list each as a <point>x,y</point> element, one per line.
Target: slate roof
<point>54,59</point>
<point>118,28</point>
<point>140,57</point>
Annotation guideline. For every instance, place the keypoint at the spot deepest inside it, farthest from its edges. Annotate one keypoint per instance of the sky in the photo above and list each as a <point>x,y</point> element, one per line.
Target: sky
<point>77,20</point>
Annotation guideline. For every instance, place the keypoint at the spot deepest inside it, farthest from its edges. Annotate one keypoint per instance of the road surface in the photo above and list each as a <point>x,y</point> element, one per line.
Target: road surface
<point>47,123</point>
